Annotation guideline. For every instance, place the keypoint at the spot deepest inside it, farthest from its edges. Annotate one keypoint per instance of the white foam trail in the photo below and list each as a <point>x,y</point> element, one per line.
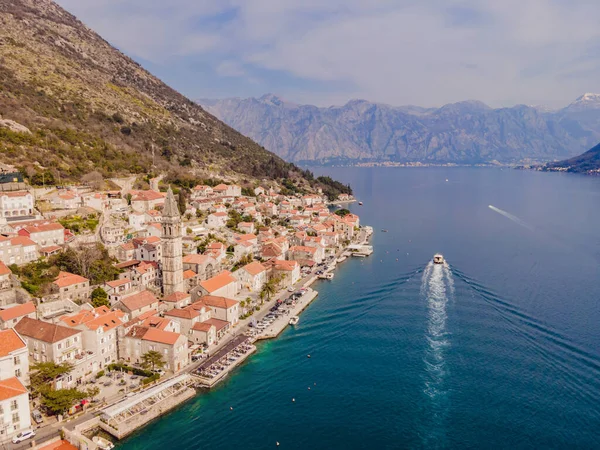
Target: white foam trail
<point>436,287</point>
<point>509,216</point>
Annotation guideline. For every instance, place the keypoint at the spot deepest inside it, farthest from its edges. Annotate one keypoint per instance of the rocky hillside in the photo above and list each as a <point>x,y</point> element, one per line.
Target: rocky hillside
<point>587,163</point>
<point>71,104</point>
<point>466,132</point>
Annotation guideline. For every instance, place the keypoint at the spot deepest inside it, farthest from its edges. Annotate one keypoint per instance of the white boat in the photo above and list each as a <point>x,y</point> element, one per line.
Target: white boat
<point>438,258</point>
<point>103,444</point>
<point>341,259</point>
<point>294,320</point>
<point>326,276</point>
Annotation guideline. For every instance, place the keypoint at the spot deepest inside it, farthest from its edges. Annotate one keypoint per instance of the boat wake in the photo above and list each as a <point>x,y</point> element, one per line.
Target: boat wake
<point>437,288</point>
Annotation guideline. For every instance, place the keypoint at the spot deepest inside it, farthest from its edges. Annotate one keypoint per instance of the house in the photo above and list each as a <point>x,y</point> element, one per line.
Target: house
<point>289,271</point>
<point>221,327</point>
<point>172,346</point>
<point>242,249</point>
<point>146,275</point>
<point>246,227</point>
<point>201,191</point>
<point>126,252</point>
<point>118,289</point>
<point>205,266</point>
<point>16,204</point>
<point>5,277</point>
<point>112,233</point>
<point>66,200</point>
<point>186,317</point>
<point>302,253</point>
<point>222,308</point>
<point>203,333</point>
<point>224,284</point>
<point>44,234</point>
<point>14,402</point>
<point>14,376</point>
<point>143,201</point>
<point>225,190</point>
<point>271,250</point>
<point>177,300</point>
<point>137,304</point>
<point>137,220</point>
<point>14,360</point>
<point>70,286</point>
<point>48,342</point>
<point>217,220</point>
<point>217,250</point>
<point>148,248</point>
<point>12,314</point>
<point>259,191</point>
<point>252,276</point>
<point>18,250</point>
<point>99,331</point>
<point>95,200</point>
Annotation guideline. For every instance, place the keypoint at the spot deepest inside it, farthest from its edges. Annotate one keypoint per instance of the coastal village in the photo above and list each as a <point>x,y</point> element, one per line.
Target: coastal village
<point>118,303</point>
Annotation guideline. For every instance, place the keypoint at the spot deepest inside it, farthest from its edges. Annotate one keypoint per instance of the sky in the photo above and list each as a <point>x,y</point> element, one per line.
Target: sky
<point>326,52</point>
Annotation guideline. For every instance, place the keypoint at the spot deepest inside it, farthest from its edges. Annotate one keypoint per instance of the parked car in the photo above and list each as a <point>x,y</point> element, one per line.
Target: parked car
<point>23,436</point>
<point>37,416</point>
<point>291,289</point>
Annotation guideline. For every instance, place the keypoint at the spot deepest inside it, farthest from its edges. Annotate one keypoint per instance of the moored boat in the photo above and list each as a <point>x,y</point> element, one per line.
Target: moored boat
<point>103,444</point>
<point>294,320</point>
<point>326,276</point>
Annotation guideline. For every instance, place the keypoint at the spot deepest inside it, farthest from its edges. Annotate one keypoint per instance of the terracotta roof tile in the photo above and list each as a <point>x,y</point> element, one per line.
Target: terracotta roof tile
<point>218,302</point>
<point>17,311</point>
<point>218,281</point>
<point>10,341</point>
<point>138,301</point>
<point>44,331</point>
<point>11,387</point>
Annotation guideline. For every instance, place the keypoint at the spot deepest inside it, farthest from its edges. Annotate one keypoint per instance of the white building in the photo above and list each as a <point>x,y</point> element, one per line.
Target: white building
<point>16,204</point>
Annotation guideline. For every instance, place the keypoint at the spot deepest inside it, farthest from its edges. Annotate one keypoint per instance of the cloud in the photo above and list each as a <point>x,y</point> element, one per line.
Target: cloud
<point>393,51</point>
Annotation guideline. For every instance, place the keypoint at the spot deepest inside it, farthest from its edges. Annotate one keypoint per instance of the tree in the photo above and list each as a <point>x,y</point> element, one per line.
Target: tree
<point>100,298</point>
<point>89,261</point>
<point>128,197</point>
<point>44,374</point>
<point>182,200</point>
<point>342,212</point>
<point>152,359</point>
<point>60,400</point>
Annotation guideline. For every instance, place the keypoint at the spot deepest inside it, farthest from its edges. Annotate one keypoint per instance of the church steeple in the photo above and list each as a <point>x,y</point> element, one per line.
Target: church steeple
<point>172,255</point>
<point>170,209</point>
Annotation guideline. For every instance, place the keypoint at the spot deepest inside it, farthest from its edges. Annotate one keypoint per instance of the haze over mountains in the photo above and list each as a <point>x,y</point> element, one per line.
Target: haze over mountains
<point>467,132</point>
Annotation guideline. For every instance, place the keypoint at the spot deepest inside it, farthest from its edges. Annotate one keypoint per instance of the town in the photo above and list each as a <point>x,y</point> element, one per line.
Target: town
<point>119,299</point>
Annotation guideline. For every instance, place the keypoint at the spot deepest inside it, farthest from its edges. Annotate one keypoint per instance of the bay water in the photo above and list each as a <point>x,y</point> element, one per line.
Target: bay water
<point>500,349</point>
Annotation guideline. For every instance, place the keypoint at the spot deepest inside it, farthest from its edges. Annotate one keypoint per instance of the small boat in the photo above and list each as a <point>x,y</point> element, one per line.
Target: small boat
<point>359,203</point>
<point>383,230</point>
<point>438,258</point>
<point>103,444</point>
<point>294,320</point>
<point>326,276</point>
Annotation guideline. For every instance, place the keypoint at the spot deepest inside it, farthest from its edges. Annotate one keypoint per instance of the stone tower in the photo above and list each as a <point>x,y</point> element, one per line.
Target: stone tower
<point>172,255</point>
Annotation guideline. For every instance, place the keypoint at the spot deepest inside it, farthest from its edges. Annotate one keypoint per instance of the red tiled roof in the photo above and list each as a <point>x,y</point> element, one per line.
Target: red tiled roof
<point>218,281</point>
<point>160,336</point>
<point>202,326</point>
<point>10,341</point>
<point>184,313</point>
<point>138,301</point>
<point>218,324</point>
<point>196,259</point>
<point>254,268</point>
<point>218,302</point>
<point>17,311</point>
<point>43,331</point>
<point>11,387</point>
<point>68,279</point>
<point>4,270</point>
<point>22,240</point>
<point>176,296</point>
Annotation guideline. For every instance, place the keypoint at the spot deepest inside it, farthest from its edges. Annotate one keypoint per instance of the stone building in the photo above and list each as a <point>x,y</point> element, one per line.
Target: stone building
<point>172,258</point>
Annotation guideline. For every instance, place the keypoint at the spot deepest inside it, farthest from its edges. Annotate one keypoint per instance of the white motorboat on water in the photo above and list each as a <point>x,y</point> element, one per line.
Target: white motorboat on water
<point>294,320</point>
<point>326,276</point>
<point>438,258</point>
<point>103,444</point>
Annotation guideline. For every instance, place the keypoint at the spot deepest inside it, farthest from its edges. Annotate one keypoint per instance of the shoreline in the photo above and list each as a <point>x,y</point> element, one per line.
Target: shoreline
<point>199,383</point>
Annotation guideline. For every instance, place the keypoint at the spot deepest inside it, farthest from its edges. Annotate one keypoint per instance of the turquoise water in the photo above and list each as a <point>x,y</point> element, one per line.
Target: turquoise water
<point>501,349</point>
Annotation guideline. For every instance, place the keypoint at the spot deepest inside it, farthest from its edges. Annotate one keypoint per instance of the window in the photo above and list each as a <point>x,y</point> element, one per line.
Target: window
<point>13,405</point>
<point>59,346</point>
<point>18,373</point>
<point>17,360</point>
<point>15,417</point>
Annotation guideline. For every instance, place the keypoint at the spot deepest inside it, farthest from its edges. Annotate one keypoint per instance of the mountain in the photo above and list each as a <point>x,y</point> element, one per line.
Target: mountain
<point>466,132</point>
<point>587,163</point>
<point>70,104</point>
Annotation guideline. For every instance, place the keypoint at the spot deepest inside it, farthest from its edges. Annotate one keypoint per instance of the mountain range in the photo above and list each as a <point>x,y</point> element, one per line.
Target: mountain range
<point>71,104</point>
<point>468,132</point>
